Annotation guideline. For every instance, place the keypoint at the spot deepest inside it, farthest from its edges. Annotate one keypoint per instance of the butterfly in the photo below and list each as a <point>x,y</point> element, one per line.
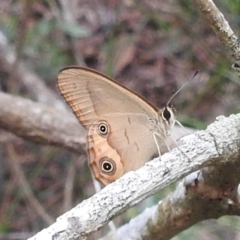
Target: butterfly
<point>124,130</point>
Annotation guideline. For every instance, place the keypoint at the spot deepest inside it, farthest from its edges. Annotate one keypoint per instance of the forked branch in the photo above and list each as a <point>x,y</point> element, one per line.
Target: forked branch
<point>218,144</point>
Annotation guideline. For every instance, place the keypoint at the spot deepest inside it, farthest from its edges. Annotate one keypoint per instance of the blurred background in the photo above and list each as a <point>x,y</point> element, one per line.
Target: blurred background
<point>152,47</point>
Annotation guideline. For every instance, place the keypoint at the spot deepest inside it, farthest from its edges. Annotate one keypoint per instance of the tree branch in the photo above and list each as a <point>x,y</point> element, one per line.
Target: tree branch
<point>208,193</point>
<point>36,86</point>
<point>218,144</point>
<point>39,123</point>
<point>222,30</point>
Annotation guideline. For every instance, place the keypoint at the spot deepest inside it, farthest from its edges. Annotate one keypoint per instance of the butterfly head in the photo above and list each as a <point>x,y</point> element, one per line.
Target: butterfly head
<point>168,113</point>
<point>168,116</point>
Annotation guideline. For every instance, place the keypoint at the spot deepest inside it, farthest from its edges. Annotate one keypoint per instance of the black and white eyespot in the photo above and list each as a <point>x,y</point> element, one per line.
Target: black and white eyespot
<point>102,128</point>
<point>166,114</point>
<point>108,166</point>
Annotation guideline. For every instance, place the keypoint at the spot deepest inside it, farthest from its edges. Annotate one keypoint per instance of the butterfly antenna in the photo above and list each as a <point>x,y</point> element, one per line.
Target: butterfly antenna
<point>171,98</point>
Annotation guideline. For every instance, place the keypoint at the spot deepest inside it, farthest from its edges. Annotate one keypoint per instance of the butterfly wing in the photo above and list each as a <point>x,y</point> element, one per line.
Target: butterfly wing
<point>92,95</point>
<point>127,145</point>
<point>119,131</point>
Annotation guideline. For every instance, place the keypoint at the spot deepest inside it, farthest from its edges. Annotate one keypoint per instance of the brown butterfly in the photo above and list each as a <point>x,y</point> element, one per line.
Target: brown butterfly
<point>123,129</point>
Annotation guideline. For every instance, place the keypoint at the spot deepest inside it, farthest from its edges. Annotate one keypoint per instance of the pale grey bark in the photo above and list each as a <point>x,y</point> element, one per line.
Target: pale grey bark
<point>218,144</point>
<point>205,194</point>
<point>39,123</point>
<point>222,29</point>
<point>46,125</point>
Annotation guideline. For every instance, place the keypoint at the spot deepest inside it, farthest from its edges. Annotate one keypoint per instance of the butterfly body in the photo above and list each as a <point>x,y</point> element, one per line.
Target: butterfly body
<point>120,124</point>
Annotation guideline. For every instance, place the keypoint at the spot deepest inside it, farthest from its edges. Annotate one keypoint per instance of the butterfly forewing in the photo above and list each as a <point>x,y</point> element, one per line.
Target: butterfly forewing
<point>120,123</point>
<point>92,96</point>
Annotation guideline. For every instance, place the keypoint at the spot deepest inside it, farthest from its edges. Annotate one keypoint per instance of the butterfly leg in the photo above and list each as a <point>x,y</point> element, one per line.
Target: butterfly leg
<point>156,142</point>
<point>155,135</point>
<point>166,144</point>
<point>174,141</point>
<point>181,126</point>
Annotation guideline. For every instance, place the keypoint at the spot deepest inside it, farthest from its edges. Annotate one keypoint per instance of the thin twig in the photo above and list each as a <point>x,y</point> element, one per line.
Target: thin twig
<point>68,188</point>
<point>24,186</point>
<point>222,29</point>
